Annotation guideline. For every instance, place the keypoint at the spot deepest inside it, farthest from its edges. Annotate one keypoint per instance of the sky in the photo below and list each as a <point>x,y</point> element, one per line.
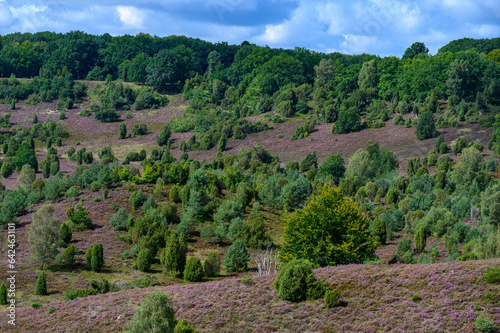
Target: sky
<point>381,27</point>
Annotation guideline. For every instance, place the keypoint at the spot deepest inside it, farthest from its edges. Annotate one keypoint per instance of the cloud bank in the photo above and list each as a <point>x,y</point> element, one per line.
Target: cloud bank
<point>383,27</point>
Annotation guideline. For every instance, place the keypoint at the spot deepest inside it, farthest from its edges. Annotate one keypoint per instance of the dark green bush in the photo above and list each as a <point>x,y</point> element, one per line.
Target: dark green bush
<point>212,264</point>
<point>332,298</point>
<point>492,274</point>
<point>3,294</point>
<point>41,285</point>
<point>119,220</point>
<point>65,233</point>
<point>144,260</point>
<point>296,282</point>
<point>183,327</point>
<point>194,270</point>
<point>484,324</point>
<point>236,258</point>
<point>137,199</point>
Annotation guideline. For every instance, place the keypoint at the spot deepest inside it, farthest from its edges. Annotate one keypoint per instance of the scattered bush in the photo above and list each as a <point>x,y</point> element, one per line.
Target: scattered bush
<point>194,270</point>
<point>212,264</point>
<point>156,310</point>
<point>236,258</point>
<point>296,282</point>
<point>332,298</point>
<point>3,294</point>
<point>36,305</point>
<point>492,275</point>
<point>183,327</point>
<point>484,324</point>
<point>144,260</point>
<point>119,220</point>
<point>41,285</point>
<point>137,199</point>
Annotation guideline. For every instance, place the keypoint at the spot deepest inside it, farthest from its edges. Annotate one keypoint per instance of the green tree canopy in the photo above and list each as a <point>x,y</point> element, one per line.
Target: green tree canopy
<point>328,231</point>
<point>414,49</point>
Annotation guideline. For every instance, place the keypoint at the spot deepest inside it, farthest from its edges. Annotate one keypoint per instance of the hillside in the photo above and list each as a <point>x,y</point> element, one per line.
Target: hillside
<point>375,298</point>
<point>176,164</point>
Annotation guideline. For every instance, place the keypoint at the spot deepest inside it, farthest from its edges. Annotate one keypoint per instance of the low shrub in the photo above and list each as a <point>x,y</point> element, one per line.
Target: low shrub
<point>484,324</point>
<point>212,264</point>
<point>194,270</point>
<point>492,275</point>
<point>332,298</point>
<point>36,305</point>
<point>296,282</point>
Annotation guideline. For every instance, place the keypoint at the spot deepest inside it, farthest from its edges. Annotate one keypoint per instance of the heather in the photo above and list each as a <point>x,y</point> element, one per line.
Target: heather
<point>374,297</point>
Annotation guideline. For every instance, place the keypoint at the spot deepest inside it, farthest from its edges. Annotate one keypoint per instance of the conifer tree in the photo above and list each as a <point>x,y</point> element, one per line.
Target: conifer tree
<point>420,239</point>
<point>122,131</point>
<point>41,285</point>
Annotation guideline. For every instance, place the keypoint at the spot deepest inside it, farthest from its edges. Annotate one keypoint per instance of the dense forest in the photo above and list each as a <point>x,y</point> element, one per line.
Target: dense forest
<point>340,211</point>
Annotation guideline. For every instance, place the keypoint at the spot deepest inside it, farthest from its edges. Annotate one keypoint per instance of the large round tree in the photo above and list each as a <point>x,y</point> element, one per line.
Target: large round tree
<point>328,231</point>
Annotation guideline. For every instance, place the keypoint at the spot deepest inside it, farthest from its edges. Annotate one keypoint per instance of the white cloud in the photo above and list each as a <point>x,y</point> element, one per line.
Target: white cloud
<point>131,17</point>
<point>486,30</point>
<point>5,15</point>
<point>356,44</point>
<point>32,18</point>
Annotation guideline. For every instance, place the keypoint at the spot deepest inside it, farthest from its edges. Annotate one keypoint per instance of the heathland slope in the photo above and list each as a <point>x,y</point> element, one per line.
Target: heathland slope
<point>445,297</point>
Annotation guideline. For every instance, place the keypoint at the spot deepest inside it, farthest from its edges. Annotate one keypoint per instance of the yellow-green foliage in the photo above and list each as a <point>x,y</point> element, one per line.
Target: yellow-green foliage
<point>328,231</point>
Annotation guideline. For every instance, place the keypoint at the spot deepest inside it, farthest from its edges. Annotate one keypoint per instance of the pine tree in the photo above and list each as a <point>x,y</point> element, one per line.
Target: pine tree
<point>35,119</point>
<point>41,285</point>
<point>236,258</point>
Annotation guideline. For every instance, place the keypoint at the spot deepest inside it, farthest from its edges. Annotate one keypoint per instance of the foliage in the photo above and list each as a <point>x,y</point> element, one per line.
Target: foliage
<point>41,285</point>
<point>484,324</point>
<point>183,327</point>
<point>43,235</point>
<point>95,257</point>
<point>328,231</point>
<point>137,199</point>
<point>236,258</point>
<point>3,294</point>
<point>426,127</point>
<point>332,298</point>
<point>65,233</point>
<point>334,166</point>
<point>193,272</point>
<point>155,314</point>
<point>144,260</point>
<point>119,219</point>
<point>492,275</point>
<point>212,264</point>
<point>296,282</point>
<point>420,239</point>
<point>348,121</point>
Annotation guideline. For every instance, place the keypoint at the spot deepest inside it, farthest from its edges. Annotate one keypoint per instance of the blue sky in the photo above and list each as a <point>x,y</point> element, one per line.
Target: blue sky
<point>371,26</point>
